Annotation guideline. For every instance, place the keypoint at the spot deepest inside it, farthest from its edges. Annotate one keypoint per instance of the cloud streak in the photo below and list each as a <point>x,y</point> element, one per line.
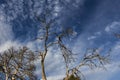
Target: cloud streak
<point>113,27</point>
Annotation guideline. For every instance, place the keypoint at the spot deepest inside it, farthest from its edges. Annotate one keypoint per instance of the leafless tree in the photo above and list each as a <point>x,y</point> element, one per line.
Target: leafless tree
<point>56,40</point>
<point>93,59</point>
<point>50,36</point>
<point>18,64</point>
<point>47,43</point>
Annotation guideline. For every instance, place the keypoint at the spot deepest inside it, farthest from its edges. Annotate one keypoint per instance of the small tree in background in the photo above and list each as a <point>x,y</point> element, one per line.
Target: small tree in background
<point>117,35</point>
<point>93,59</point>
<point>18,64</point>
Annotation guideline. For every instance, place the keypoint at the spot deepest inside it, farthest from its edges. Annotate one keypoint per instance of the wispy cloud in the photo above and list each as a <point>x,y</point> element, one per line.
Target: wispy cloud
<point>6,33</point>
<point>100,74</point>
<point>8,44</point>
<point>91,37</point>
<point>113,27</point>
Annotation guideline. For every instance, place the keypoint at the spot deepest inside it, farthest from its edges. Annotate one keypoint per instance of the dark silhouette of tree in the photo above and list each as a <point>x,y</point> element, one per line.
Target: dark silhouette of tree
<point>18,64</point>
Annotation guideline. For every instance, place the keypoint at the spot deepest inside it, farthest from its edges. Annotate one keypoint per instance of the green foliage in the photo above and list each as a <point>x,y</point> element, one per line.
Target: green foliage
<point>72,77</point>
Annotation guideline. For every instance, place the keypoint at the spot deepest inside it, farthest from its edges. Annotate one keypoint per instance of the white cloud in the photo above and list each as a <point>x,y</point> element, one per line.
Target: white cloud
<point>95,35</point>
<point>113,27</point>
<point>98,33</point>
<point>6,33</point>
<point>9,44</point>
<point>91,37</point>
<point>107,29</point>
<point>59,77</point>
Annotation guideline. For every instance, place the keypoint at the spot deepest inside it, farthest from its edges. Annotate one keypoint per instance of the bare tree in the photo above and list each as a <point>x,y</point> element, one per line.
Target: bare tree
<point>93,59</point>
<point>57,40</point>
<point>66,52</point>
<point>49,35</point>
<point>18,64</point>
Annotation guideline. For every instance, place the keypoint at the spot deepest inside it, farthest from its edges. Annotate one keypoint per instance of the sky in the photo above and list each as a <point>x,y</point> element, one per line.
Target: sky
<point>94,22</point>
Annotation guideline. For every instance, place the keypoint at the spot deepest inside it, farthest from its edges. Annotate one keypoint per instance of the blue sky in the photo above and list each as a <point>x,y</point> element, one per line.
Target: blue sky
<point>94,22</point>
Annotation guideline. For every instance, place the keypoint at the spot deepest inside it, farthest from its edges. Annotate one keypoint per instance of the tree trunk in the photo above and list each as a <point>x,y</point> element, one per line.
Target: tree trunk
<point>13,78</point>
<point>6,76</point>
<point>6,73</point>
<point>67,72</point>
<point>67,76</point>
<point>43,70</point>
